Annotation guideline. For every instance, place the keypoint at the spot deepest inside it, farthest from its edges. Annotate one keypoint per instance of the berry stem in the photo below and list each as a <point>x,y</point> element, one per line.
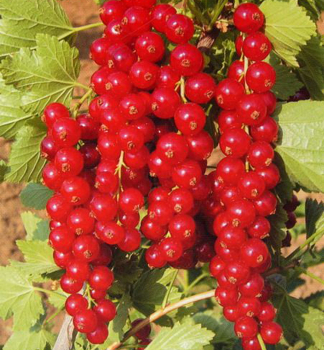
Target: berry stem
<point>182,90</point>
<point>194,283</point>
<point>167,295</point>
<point>160,313</point>
<point>80,29</point>
<point>311,275</point>
<point>81,101</point>
<point>217,11</point>
<point>298,252</point>
<point>50,292</point>
<point>56,313</point>
<point>261,342</point>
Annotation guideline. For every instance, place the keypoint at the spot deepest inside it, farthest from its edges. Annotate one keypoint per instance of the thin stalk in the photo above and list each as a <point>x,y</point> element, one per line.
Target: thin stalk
<point>298,252</point>
<point>50,292</point>
<point>81,101</point>
<point>80,29</point>
<point>182,90</point>
<point>167,295</point>
<point>53,316</point>
<point>218,10</point>
<point>162,312</point>
<point>311,275</point>
<point>261,342</point>
<point>195,282</point>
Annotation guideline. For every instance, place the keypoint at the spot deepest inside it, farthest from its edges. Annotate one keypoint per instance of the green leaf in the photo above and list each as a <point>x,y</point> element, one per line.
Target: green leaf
<point>288,28</point>
<point>25,162</point>
<point>301,144</point>
<point>287,83</point>
<point>99,2</point>
<point>299,321</point>
<point>18,297</point>
<point>3,169</point>
<point>278,227</point>
<point>150,289</point>
<point>182,337</point>
<point>46,75</point>
<point>213,321</point>
<point>12,118</point>
<point>36,228</point>
<point>314,216</point>
<point>116,326</point>
<point>30,340</point>
<point>285,188</point>
<point>21,21</point>
<point>35,196</point>
<point>58,299</point>
<point>311,59</point>
<point>316,300</point>
<point>38,256</point>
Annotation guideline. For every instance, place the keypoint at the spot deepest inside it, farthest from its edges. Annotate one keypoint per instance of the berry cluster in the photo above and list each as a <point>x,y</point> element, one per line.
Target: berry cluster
<point>243,181</point>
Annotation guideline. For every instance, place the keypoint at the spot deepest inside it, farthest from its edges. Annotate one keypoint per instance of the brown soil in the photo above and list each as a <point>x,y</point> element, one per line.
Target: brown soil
<point>11,228</point>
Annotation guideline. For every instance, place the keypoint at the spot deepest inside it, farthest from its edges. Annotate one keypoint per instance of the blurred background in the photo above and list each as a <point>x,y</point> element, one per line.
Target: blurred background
<point>11,227</point>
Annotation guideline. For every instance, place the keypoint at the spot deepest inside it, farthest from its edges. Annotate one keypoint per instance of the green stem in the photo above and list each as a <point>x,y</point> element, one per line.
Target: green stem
<point>80,29</point>
<point>195,282</point>
<point>182,90</point>
<point>218,10</point>
<point>167,295</point>
<point>261,342</point>
<point>311,275</point>
<point>82,86</point>
<point>53,316</point>
<point>50,292</point>
<point>298,252</point>
<point>82,99</point>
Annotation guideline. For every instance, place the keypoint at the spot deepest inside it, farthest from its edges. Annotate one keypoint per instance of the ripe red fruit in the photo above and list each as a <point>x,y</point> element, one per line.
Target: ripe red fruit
<point>98,51</point>
<point>151,230</point>
<point>115,32</point>
<point>167,78</point>
<point>158,167</point>
<point>254,252</point>
<point>150,47</point>
<point>228,93</point>
<point>104,257</point>
<point>103,207</point>
<point>69,161</point>
<point>78,270</point>
<point>270,175</point>
<point>154,257</point>
<point>236,272</point>
<point>230,170</point>
<point>179,28</point>
<point>256,46</point>
<point>200,88</point>
<point>89,127</point>
<point>228,120</point>
<point>182,227</point>
<point>54,112</point>
<point>241,213</point>
<point>121,57</point>
<point>201,146</point>
<point>105,310</point>
<point>86,248</point>
<point>267,312</point>
<point>251,185</point>
<point>132,106</point>
<point>143,75</point>
<point>171,249</point>
<point>85,321</point>
<point>239,45</point>
<point>58,208</point>
<point>109,146</point>
<point>165,102</point>
<point>160,14</point>
<point>160,212</point>
<point>190,118</point>
<point>229,194</point>
<point>248,18</point>
<point>99,80</point>
<point>61,239</point>
<point>80,221</point>
<point>216,266</point>
<point>232,237</point>
<point>112,9</point>
<point>266,131</point>
<point>266,204</point>
<point>231,313</point>
<point>225,253</point>
<point>62,259</point>
<point>235,142</point>
<point>251,109</point>
<point>249,306</point>
<point>70,285</point>
<point>52,177</point>
<point>261,77</point>
<point>75,303</point>
<point>246,327</point>
<point>260,154</point>
<point>260,228</point>
<point>99,335</point>
<point>226,297</point>
<point>118,84</point>
<point>131,241</point>
<point>110,232</point>
<point>181,200</point>
<point>172,148</point>
<point>136,20</point>
<point>187,174</point>
<point>48,148</point>
<point>251,344</point>
<point>186,59</point>
<point>271,332</point>
<point>101,278</point>
<point>131,200</point>
<point>75,190</point>
<point>270,100</point>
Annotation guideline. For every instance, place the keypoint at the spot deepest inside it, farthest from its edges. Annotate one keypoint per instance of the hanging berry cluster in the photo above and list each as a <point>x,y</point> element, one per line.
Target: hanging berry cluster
<point>243,182</point>
<point>140,133</point>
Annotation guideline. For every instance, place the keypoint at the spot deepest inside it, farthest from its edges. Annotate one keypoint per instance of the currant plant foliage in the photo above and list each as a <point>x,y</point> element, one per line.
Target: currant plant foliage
<point>39,65</point>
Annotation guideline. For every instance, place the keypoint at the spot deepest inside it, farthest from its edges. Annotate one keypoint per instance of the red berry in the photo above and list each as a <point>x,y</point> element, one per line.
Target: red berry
<point>239,45</point>
<point>52,177</point>
<point>256,46</point>
<point>115,32</point>
<point>99,335</point>
<point>251,109</point>
<point>103,207</point>
<point>160,212</point>
<point>261,77</point>
<point>121,57</point>
<point>236,71</point>
<point>61,239</point>
<point>254,252</point>
<point>143,75</point>
<point>230,170</point>
<point>78,270</point>
<point>260,228</point>
<point>48,148</point>
<point>131,200</point>
<point>216,266</point>
<point>136,20</point>
<point>167,78</point>
<point>241,213</point>
<point>248,18</point>
<point>181,200</point>
<point>186,59</point>
<point>232,237</point>
<point>165,102</point>
<point>271,332</point>
<point>154,257</point>
<point>251,185</point>
<point>109,146</point>
<point>75,303</point>
<point>58,208</point>
<point>187,174</point>
<point>270,175</point>
<point>266,204</point>
<point>190,118</point>
<point>235,142</point>
<point>228,93</point>
<point>80,221</point>
<point>228,120</point>
<point>260,154</point>
<point>70,285</point>
<point>132,240</point>
<point>201,146</point>
<point>54,112</point>
<point>171,249</point>
<point>226,297</point>
<point>113,9</point>
<point>86,248</point>
<point>160,14</point>
<point>269,98</point>
<point>236,272</point>
<point>110,232</point>
<point>85,321</point>
<point>76,190</point>
<point>98,51</point>
<point>144,332</point>
<point>251,344</point>
<point>231,313</point>
<point>101,278</point>
<point>150,47</point>
<point>172,148</point>
<point>179,28</point>
<point>249,306</point>
<point>266,131</point>
<point>69,161</point>
<point>267,312</point>
<point>200,88</point>
<point>246,327</point>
